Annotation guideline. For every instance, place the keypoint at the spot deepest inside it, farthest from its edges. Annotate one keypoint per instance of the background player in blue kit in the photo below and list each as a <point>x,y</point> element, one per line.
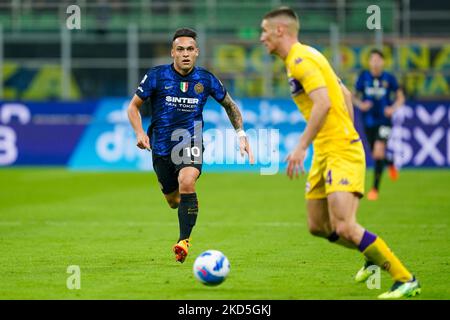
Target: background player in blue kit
<point>178,93</point>
<point>378,95</point>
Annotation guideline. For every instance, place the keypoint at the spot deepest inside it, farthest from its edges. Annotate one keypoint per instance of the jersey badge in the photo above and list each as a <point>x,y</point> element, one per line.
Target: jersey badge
<point>199,88</point>
<point>184,86</point>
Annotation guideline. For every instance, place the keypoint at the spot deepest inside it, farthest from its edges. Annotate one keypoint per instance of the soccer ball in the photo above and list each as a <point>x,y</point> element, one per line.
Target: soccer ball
<point>211,267</point>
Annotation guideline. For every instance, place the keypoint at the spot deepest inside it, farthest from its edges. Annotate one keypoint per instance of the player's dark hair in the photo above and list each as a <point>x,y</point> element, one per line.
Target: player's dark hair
<point>185,32</point>
<point>378,52</point>
<point>281,11</point>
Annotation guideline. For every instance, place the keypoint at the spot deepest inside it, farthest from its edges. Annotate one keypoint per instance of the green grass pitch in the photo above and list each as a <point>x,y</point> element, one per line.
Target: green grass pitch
<point>118,229</point>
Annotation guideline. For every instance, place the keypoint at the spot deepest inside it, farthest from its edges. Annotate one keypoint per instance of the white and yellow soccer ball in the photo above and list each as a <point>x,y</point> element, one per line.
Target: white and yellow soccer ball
<point>211,267</point>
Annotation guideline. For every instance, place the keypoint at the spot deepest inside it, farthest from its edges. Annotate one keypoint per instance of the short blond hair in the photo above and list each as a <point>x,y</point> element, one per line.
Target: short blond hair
<point>284,12</point>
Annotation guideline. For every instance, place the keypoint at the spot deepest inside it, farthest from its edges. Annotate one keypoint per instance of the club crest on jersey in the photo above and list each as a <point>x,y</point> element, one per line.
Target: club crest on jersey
<point>184,86</point>
<point>199,88</point>
<point>296,87</point>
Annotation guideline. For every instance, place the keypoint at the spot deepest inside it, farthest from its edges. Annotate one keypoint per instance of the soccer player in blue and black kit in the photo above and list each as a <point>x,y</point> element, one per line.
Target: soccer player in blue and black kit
<point>178,93</point>
<point>378,96</point>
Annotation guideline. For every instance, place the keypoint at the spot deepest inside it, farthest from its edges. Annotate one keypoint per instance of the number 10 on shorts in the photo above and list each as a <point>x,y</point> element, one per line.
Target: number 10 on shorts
<point>192,152</point>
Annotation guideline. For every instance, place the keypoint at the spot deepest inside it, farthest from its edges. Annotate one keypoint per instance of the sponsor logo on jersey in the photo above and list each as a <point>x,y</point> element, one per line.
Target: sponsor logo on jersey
<point>376,92</point>
<point>182,100</point>
<point>199,88</point>
<point>184,86</point>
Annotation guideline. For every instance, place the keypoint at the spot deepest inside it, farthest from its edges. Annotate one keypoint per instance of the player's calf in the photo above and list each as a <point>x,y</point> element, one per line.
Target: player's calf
<point>173,204</point>
<point>349,231</point>
<point>318,218</point>
<point>173,199</point>
<point>342,208</point>
<point>188,208</point>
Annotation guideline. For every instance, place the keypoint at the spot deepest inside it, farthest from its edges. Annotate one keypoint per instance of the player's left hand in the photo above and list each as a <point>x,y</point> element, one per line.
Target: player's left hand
<point>295,162</point>
<point>244,147</point>
<point>389,111</point>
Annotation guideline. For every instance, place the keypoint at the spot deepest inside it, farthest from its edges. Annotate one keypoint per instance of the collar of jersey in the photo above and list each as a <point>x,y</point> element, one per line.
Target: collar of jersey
<point>378,77</point>
<point>183,76</point>
<point>291,52</point>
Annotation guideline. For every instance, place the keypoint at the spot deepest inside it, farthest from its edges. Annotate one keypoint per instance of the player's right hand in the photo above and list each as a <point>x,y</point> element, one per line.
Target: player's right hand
<point>244,147</point>
<point>295,162</point>
<point>143,142</point>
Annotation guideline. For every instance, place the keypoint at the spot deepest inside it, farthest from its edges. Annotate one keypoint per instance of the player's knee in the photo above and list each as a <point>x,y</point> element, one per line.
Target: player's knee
<point>187,184</point>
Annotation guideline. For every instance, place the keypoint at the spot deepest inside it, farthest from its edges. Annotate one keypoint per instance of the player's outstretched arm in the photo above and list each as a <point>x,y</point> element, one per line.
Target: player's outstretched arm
<point>321,105</point>
<point>233,112</point>
<point>134,116</point>
<point>236,120</point>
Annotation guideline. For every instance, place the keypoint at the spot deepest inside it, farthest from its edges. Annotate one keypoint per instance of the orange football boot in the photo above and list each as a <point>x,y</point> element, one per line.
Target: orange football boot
<point>393,173</point>
<point>372,195</point>
<point>181,250</point>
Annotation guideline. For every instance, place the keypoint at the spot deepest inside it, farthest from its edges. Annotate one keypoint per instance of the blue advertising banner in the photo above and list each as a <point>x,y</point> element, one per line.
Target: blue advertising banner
<point>421,135</point>
<point>109,142</point>
<point>96,135</point>
<point>41,133</point>
<point>273,127</point>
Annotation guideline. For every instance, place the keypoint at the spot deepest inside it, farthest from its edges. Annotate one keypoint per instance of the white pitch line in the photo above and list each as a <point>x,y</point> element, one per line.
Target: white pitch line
<point>281,224</point>
<point>146,223</point>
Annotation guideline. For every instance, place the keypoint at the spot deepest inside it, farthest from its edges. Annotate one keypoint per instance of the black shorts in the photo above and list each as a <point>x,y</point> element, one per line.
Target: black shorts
<point>167,171</point>
<point>378,133</point>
